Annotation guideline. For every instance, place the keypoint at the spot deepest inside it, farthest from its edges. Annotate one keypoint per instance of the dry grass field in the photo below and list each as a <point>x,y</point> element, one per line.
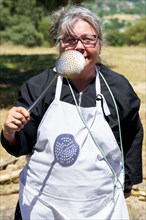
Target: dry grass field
<point>129,61</point>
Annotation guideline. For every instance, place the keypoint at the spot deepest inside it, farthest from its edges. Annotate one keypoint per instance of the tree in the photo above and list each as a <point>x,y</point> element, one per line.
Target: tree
<point>115,38</point>
<point>26,21</point>
<point>54,4</point>
<point>136,33</point>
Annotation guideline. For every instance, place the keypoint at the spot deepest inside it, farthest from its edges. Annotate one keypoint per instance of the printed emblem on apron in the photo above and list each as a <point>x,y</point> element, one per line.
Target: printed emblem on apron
<point>66,150</point>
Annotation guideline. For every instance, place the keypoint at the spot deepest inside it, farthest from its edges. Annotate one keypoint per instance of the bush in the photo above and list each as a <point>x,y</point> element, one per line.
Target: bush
<point>115,38</point>
<point>136,33</point>
<point>24,34</point>
<point>43,27</point>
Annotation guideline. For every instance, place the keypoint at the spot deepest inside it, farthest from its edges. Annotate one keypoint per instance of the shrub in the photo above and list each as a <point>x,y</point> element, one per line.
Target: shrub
<point>115,38</point>
<point>24,34</point>
<point>136,33</point>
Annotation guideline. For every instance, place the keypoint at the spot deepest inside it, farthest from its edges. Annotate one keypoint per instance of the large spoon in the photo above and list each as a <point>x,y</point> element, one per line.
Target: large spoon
<point>69,64</point>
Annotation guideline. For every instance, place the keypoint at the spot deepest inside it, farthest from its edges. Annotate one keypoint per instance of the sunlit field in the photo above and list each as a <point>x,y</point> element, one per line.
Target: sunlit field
<point>129,61</point>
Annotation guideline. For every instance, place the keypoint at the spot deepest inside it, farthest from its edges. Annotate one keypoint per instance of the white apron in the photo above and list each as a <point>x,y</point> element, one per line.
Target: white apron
<point>67,177</point>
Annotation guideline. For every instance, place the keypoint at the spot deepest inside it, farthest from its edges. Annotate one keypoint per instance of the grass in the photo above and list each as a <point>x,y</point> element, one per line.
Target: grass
<point>129,61</point>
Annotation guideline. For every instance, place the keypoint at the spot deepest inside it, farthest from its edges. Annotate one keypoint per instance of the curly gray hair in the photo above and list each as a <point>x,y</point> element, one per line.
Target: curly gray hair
<point>64,19</point>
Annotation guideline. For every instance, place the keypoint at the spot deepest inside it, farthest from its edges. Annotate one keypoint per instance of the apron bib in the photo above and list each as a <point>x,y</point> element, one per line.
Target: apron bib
<point>67,176</point>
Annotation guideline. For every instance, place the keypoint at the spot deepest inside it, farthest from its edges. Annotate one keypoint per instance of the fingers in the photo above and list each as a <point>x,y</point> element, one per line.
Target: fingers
<point>16,119</point>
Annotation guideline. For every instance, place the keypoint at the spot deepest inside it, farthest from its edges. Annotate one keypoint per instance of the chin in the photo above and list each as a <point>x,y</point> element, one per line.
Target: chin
<point>88,63</point>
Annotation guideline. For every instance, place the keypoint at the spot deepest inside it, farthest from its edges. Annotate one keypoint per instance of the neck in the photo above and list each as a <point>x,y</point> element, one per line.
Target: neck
<point>83,80</point>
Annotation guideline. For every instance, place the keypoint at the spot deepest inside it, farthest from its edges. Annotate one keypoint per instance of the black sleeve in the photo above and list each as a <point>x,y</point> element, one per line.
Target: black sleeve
<point>131,127</point>
<point>132,136</point>
<point>28,93</point>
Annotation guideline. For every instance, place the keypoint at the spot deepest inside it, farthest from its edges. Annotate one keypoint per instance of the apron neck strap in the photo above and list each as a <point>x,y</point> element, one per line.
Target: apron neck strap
<point>60,80</point>
<point>58,88</point>
<point>98,88</point>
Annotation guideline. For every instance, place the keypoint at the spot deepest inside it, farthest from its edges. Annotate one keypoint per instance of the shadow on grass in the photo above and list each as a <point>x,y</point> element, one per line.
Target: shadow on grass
<point>16,69</point>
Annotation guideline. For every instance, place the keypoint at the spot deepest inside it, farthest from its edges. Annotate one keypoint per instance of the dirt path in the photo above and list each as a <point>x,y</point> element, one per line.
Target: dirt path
<point>7,206</point>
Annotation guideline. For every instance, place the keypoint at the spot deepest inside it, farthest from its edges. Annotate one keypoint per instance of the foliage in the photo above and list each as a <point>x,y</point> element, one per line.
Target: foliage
<point>120,32</point>
<point>109,7</point>
<point>22,34</point>
<point>50,5</point>
<point>112,29</point>
<point>20,21</point>
<point>134,34</point>
<point>26,22</point>
<point>114,38</point>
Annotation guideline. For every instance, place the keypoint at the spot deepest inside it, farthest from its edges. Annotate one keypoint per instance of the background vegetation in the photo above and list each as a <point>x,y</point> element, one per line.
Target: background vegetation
<point>26,22</point>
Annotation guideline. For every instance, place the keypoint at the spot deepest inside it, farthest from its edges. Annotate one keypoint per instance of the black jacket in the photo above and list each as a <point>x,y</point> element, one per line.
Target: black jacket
<point>128,105</point>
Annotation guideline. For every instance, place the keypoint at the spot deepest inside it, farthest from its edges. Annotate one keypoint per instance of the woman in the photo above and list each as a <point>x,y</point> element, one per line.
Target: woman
<point>84,137</point>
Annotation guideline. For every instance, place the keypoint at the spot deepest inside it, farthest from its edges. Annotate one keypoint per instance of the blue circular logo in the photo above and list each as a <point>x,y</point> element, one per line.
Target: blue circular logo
<point>66,150</point>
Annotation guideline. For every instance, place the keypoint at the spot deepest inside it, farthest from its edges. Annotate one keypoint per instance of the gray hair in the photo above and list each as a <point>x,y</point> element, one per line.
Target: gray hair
<point>65,18</point>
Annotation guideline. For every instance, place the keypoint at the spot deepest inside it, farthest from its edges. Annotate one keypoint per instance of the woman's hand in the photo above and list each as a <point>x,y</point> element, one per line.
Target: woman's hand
<point>16,119</point>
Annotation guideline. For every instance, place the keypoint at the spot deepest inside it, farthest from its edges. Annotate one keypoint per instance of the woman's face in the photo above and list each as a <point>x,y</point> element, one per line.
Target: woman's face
<point>90,52</point>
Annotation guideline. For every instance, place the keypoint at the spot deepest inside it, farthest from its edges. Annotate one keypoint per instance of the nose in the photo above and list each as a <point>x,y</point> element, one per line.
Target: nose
<point>79,45</point>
